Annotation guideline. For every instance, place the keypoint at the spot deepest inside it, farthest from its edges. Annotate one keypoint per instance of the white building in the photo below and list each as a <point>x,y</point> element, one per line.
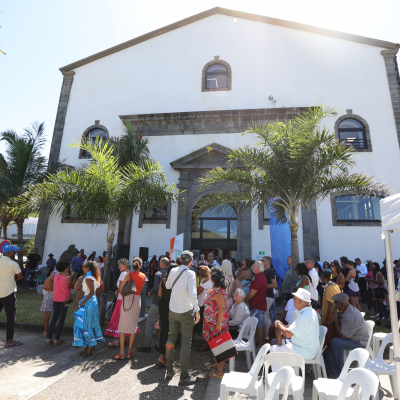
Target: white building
<point>165,83</point>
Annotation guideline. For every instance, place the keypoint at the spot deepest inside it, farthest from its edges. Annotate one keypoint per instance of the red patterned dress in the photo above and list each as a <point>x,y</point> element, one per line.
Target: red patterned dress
<point>211,314</point>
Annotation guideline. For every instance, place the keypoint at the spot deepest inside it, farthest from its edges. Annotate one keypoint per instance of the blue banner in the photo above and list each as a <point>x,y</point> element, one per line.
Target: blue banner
<point>280,246</point>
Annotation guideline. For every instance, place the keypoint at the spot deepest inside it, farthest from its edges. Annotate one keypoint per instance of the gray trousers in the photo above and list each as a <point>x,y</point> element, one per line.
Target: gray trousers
<point>185,322</point>
<point>152,318</point>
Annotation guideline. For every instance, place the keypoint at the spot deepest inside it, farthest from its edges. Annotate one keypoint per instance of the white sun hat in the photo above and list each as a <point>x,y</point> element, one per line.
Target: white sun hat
<point>303,294</point>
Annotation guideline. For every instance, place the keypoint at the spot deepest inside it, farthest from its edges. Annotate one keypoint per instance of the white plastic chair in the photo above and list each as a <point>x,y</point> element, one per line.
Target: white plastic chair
<point>282,378</point>
<point>295,361</point>
<point>328,389</point>
<point>249,346</point>
<point>379,367</point>
<point>377,338</point>
<point>318,362</point>
<point>246,382</point>
<point>364,380</point>
<point>370,326</point>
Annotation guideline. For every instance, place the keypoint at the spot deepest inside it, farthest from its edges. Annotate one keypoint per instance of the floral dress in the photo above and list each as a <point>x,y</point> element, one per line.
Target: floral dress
<point>211,315</point>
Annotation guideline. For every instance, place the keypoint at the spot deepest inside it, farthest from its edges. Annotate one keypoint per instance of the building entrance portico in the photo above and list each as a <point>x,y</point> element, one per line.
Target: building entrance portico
<point>215,231</point>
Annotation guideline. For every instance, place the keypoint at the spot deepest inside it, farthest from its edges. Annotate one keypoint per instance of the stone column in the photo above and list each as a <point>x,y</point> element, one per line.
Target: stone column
<point>392,71</point>
<point>310,230</point>
<point>55,150</point>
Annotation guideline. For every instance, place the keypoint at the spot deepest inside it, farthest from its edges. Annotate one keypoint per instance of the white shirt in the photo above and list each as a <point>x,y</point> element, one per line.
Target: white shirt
<point>289,310</point>
<point>119,282</point>
<point>8,269</point>
<point>206,287</point>
<point>85,287</point>
<point>184,293</point>
<point>313,284</point>
<point>362,270</point>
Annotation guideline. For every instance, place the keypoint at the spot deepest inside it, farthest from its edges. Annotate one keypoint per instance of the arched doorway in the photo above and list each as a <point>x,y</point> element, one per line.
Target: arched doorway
<point>215,231</point>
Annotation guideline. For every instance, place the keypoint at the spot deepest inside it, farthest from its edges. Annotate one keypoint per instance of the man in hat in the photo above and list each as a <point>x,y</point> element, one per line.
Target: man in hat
<point>351,332</point>
<point>10,272</point>
<point>303,332</point>
<point>182,282</point>
<point>51,262</point>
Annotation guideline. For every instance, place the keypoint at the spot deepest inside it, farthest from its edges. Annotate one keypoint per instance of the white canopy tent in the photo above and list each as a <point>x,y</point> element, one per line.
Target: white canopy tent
<point>390,214</point>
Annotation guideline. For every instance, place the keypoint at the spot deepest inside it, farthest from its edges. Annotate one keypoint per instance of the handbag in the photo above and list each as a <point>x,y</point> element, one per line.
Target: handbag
<point>380,292</point>
<point>223,347</point>
<point>331,333</point>
<point>49,283</point>
<point>129,287</point>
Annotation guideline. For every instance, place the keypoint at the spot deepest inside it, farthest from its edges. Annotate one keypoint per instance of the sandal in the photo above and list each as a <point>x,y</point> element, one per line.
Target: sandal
<point>119,356</point>
<point>215,366</point>
<point>129,355</point>
<point>213,375</point>
<point>114,343</point>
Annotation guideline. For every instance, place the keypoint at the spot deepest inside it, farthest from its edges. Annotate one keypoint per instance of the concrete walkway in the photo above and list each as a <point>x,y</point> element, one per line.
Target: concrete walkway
<point>40,372</point>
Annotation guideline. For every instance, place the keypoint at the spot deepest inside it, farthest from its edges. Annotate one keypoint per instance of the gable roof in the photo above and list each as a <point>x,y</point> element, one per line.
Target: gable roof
<point>236,14</point>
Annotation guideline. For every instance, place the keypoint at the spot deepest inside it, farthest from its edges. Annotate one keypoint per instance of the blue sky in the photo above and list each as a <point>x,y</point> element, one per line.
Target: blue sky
<point>41,36</point>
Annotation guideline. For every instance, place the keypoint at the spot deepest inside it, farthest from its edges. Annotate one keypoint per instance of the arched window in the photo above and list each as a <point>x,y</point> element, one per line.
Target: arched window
<point>352,132</point>
<point>217,77</point>
<point>93,133</point>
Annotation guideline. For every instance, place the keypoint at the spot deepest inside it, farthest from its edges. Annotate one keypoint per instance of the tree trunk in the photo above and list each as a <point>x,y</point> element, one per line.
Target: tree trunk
<point>20,238</point>
<point>128,230</point>
<point>5,231</point>
<point>295,252</point>
<point>111,226</point>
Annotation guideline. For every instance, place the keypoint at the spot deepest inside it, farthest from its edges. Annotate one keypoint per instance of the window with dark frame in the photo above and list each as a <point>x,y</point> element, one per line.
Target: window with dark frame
<point>216,77</point>
<point>215,224</point>
<point>266,213</point>
<point>352,132</point>
<point>358,208</point>
<point>156,213</point>
<point>92,136</point>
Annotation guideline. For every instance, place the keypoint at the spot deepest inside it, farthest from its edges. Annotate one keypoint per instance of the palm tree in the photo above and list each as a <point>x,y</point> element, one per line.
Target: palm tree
<point>101,190</point>
<point>290,165</point>
<point>22,166</point>
<point>130,148</point>
<point>6,219</point>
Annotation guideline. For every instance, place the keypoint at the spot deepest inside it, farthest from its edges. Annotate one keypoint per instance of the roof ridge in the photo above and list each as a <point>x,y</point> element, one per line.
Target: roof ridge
<point>236,14</point>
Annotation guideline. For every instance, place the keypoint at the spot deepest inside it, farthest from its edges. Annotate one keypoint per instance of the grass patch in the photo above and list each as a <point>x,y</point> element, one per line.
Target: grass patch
<point>28,308</point>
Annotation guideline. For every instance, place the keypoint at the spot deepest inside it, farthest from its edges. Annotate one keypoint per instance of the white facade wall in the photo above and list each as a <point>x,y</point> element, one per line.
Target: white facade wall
<point>298,68</point>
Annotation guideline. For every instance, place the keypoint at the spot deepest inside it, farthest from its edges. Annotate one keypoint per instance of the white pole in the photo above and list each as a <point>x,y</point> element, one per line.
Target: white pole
<point>392,303</point>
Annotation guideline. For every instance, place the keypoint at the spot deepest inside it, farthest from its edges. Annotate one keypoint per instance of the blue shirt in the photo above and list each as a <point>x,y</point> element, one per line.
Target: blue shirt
<point>76,262</point>
<point>305,329</point>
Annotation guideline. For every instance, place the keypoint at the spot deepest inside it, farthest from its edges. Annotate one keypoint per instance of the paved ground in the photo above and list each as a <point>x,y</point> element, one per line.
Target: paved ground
<point>40,372</point>
<point>43,372</point>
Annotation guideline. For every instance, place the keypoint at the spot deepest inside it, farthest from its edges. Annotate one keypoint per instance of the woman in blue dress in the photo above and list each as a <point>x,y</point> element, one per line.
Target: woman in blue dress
<point>87,331</point>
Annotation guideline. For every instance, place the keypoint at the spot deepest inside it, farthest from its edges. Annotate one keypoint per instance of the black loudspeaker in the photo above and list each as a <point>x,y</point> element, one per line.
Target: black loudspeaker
<point>144,253</point>
<point>120,251</point>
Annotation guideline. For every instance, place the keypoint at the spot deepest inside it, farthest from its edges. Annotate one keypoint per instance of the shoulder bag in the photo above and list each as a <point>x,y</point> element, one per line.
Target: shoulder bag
<point>49,283</point>
<point>128,289</point>
<point>176,280</point>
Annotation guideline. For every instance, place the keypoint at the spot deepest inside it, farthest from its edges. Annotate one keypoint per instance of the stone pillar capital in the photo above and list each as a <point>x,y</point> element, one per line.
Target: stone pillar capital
<point>68,73</point>
<point>390,52</point>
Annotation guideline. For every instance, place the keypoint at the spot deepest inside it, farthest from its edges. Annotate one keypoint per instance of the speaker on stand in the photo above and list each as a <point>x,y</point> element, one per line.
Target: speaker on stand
<point>144,253</point>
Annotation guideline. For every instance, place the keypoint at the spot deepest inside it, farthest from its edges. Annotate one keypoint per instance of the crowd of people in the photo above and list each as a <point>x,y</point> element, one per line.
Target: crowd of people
<point>206,298</point>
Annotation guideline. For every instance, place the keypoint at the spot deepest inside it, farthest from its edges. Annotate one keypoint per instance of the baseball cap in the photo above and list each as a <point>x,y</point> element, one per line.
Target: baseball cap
<point>7,249</point>
<point>186,255</point>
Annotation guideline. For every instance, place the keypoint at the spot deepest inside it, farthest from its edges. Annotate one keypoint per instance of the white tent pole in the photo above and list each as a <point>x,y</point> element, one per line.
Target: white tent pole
<point>392,303</point>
